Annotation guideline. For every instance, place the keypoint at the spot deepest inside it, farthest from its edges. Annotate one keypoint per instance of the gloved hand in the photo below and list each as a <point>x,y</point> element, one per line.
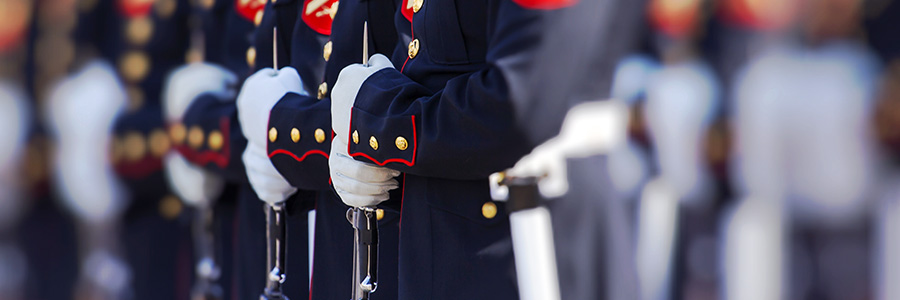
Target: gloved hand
<point>81,112</point>
<point>195,186</point>
<point>343,94</point>
<point>257,97</point>
<point>357,183</point>
<point>190,81</point>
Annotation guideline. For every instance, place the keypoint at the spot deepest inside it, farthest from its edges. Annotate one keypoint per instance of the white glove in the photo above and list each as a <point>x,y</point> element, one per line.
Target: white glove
<point>257,97</point>
<point>357,183</point>
<point>343,94</point>
<point>189,81</point>
<point>194,185</point>
<point>82,110</point>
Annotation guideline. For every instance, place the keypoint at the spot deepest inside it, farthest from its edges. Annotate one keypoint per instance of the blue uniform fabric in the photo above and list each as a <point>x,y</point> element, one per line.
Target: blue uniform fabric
<point>304,163</point>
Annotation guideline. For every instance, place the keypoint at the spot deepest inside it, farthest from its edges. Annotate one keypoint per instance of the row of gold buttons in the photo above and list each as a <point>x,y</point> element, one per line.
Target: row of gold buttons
<point>178,133</point>
<point>295,135</point>
<point>400,141</point>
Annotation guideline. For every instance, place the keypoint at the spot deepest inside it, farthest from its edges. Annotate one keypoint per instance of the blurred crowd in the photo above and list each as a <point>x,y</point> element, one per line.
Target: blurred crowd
<point>762,158</point>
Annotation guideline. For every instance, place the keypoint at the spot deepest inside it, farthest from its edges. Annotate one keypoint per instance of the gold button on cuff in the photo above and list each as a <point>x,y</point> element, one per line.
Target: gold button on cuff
<point>489,210</point>
<point>135,146</point>
<point>177,133</point>
<point>159,143</point>
<point>355,137</point>
<point>216,140</point>
<point>251,56</point>
<point>326,51</point>
<point>195,137</point>
<point>273,134</point>
<point>170,207</point>
<point>258,18</point>
<point>373,143</point>
<point>134,66</point>
<point>417,5</point>
<point>295,135</point>
<point>207,4</point>
<point>401,143</point>
<point>139,30</point>
<point>379,214</point>
<point>323,90</point>
<point>320,135</point>
<point>413,48</point>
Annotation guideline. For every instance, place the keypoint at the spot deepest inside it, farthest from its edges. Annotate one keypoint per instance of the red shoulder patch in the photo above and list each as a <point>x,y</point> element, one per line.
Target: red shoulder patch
<point>318,14</point>
<point>545,4</point>
<point>135,8</point>
<point>407,9</point>
<point>248,9</point>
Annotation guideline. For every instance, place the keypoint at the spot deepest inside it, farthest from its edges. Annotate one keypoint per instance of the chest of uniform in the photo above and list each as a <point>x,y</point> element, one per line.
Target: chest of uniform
<point>447,31</point>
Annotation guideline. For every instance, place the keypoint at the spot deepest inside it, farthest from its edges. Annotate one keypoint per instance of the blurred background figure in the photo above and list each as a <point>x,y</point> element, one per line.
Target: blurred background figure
<point>805,165</point>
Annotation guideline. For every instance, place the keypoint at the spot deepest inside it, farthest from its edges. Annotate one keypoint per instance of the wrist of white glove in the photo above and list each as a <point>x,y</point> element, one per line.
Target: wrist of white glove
<point>261,91</point>
<point>188,82</point>
<point>343,94</point>
<point>268,184</point>
<point>195,186</point>
<point>357,183</point>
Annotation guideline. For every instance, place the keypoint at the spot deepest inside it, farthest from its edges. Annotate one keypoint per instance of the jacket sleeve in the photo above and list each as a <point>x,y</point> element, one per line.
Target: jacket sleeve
<point>210,136</point>
<point>299,140</point>
<point>466,130</point>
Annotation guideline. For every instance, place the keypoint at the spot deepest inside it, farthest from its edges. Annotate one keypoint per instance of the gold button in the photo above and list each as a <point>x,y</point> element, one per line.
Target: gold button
<point>273,134</point>
<point>135,146</point>
<point>215,140</point>
<point>295,135</point>
<point>413,48</point>
<point>134,66</point>
<point>193,55</point>
<point>139,30</point>
<point>379,214</point>
<point>258,18</point>
<point>323,90</point>
<point>417,5</point>
<point>165,8</point>
<point>373,143</point>
<point>170,207</point>
<point>273,1</point>
<point>326,51</point>
<point>159,143</point>
<point>207,4</point>
<point>320,135</point>
<point>401,143</point>
<point>195,137</point>
<point>355,137</point>
<point>177,132</point>
<point>251,56</point>
<point>489,210</point>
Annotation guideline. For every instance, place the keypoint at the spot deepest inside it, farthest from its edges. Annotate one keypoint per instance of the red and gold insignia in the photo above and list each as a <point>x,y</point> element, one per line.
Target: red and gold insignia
<point>14,20</point>
<point>545,4</point>
<point>408,9</point>
<point>318,14</point>
<point>135,8</point>
<point>248,9</point>
<point>675,18</point>
<point>758,14</point>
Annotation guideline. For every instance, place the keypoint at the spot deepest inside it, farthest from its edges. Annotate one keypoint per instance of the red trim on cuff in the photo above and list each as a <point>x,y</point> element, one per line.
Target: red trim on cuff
<point>301,158</point>
<point>399,160</point>
<point>204,157</point>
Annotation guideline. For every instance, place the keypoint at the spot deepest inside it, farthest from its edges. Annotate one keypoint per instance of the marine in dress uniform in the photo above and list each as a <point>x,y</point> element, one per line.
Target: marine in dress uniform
<point>298,136</point>
<point>209,135</point>
<point>442,112</point>
<point>143,40</point>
